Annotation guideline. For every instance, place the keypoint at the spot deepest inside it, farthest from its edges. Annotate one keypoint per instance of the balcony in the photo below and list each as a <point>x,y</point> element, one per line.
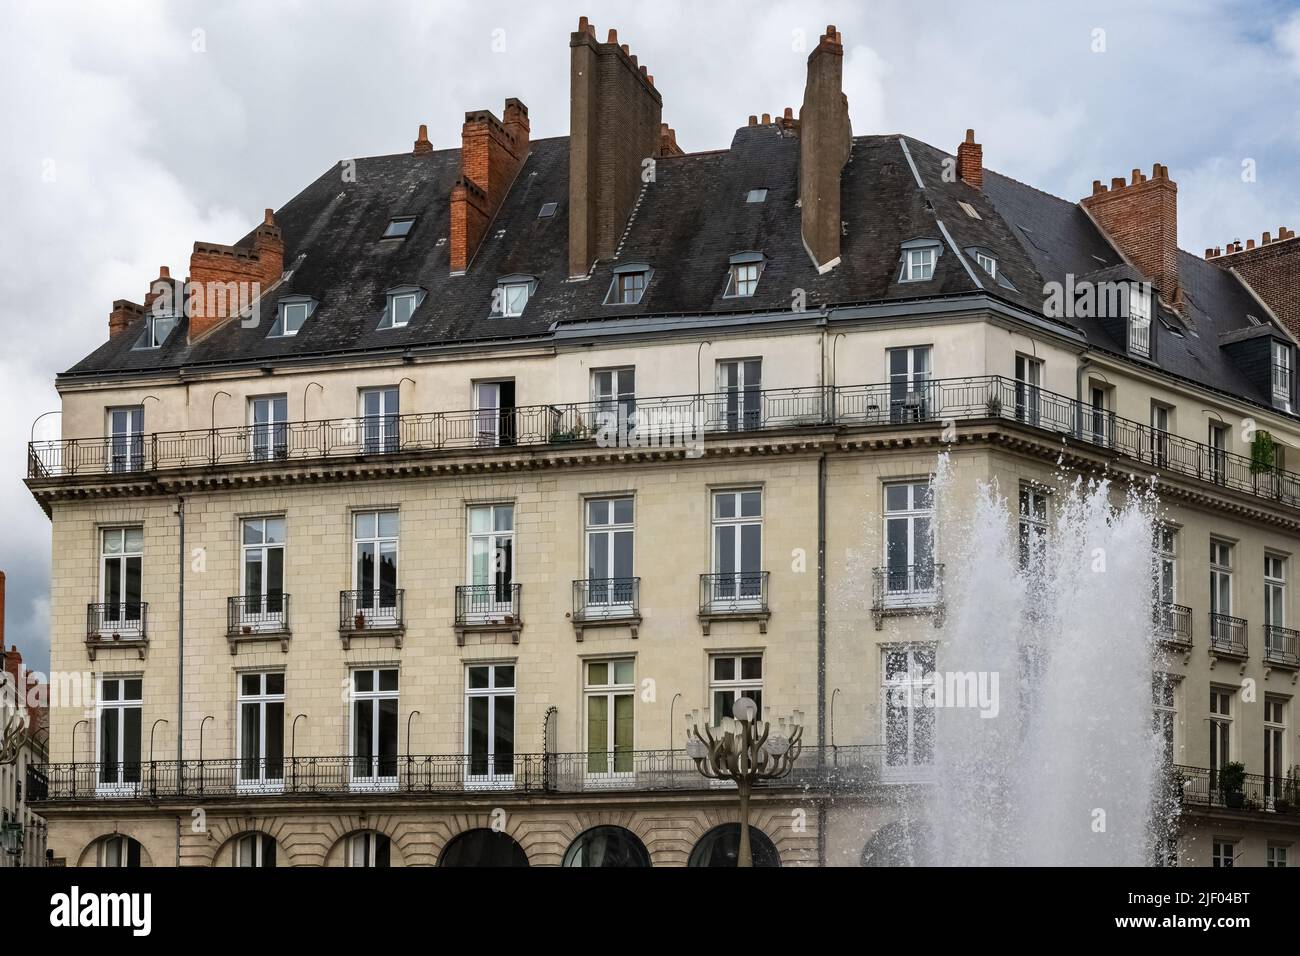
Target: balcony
<point>117,625</point>
<point>1204,788</point>
<point>258,617</point>
<point>599,602</point>
<point>367,612</point>
<point>905,590</point>
<point>1173,624</point>
<point>1281,647</point>
<point>1228,637</point>
<point>488,607</point>
<point>734,596</point>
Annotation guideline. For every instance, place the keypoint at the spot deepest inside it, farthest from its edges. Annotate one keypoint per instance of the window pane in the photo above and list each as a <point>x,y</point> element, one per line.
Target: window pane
<point>725,505</point>
<point>623,672</point>
<point>478,677</point>
<point>724,668</point>
<point>364,680</point>
<point>598,673</point>
<point>388,524</point>
<point>365,524</point>
<point>275,683</point>
<point>751,504</point>
<point>251,684</point>
<point>751,668</point>
<point>598,512</point>
<point>388,679</point>
<point>623,511</point>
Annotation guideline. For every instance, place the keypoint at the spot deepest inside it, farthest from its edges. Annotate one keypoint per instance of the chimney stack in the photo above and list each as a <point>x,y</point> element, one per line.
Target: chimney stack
<point>491,152</point>
<point>1141,219</point>
<point>422,144</point>
<point>824,141</point>
<point>1272,270</point>
<point>615,124</point>
<point>970,161</point>
<point>124,313</point>
<point>225,279</point>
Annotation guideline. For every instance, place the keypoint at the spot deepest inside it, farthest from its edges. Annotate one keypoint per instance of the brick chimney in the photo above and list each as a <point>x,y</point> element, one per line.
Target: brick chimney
<point>824,140</point>
<point>225,278</point>
<point>491,153</point>
<point>615,124</point>
<point>1271,269</point>
<point>124,313</point>
<point>970,161</point>
<point>1141,219</point>
<point>422,144</point>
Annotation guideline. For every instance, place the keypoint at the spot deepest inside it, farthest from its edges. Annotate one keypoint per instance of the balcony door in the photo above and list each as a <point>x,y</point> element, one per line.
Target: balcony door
<point>494,404</point>
<point>268,421</point>
<point>737,577</point>
<point>1275,750</point>
<point>375,543</point>
<point>614,394</point>
<point>119,711</point>
<point>1218,452</point>
<point>1220,592</point>
<point>609,692</point>
<point>909,544</point>
<point>490,724</point>
<point>374,728</point>
<point>261,731</point>
<point>907,717</point>
<point>740,388</point>
<point>609,555</point>
<point>1029,385</point>
<point>1220,735</point>
<point>126,438</point>
<point>380,411</point>
<point>909,373</point>
<point>491,562</point>
<point>120,572</point>
<point>262,586</point>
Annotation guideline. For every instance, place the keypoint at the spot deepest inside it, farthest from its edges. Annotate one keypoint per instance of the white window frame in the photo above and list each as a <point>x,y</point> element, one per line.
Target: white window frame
<point>124,426</point>
<point>745,590</point>
<point>1034,507</point>
<point>738,686</point>
<point>1222,729</point>
<point>611,690</point>
<point>373,697</point>
<point>498,541</point>
<point>1167,555</point>
<point>1275,570</point>
<point>913,593</point>
<point>608,600</point>
<point>283,326</point>
<point>987,263</point>
<point>514,298</point>
<point>263,618</point>
<point>628,285</point>
<point>261,783</point>
<point>401,304</point>
<point>129,628</point>
<point>613,392</point>
<point>122,843</point>
<point>380,432</point>
<point>492,779</point>
<point>1221,581</point>
<point>909,397</point>
<point>919,263</point>
<point>1275,856</point>
<point>1223,854</point>
<point>371,605</point>
<point>488,416</point>
<point>268,440</point>
<point>1277,746</point>
<point>119,786</point>
<point>1164,702</point>
<point>1282,372</point>
<point>1139,321</point>
<point>256,842</point>
<point>1161,418</point>
<point>1217,437</point>
<point>914,687</point>
<point>739,382</point>
<point>363,846</point>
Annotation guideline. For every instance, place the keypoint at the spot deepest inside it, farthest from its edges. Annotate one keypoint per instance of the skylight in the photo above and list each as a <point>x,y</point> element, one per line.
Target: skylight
<point>969,210</point>
<point>547,210</point>
<point>756,195</point>
<point>399,227</point>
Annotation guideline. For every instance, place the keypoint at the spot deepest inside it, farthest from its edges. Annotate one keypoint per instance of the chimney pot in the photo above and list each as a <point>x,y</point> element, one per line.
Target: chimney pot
<point>1250,243</point>
<point>613,38</point>
<point>268,217</point>
<point>753,119</point>
<point>422,144</point>
<point>1118,182</point>
<point>164,272</point>
<point>970,161</point>
<point>767,119</point>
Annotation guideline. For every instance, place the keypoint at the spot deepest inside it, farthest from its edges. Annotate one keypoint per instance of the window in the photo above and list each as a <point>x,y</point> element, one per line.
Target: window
<point>268,417</point>
<point>987,263</point>
<point>1275,856</point>
<point>907,715</point>
<point>399,228</point>
<point>609,689</point>
<point>369,849</point>
<point>1282,375</point>
<point>375,568</point>
<point>1218,436</point>
<point>1102,428</point>
<point>1224,854</point>
<point>156,329</point>
<point>120,705</point>
<point>909,373</point>
<point>380,408</point>
<point>1161,416</point>
<point>609,553</point>
<point>909,543</point>
<point>740,386</point>
<point>919,259</point>
<point>1139,321</point>
<point>743,275</point>
<point>374,727</point>
<point>1029,382</point>
<point>254,849</point>
<point>756,195</point>
<point>494,403</point>
<point>1220,593</point>
<point>1164,704</point>
<point>262,583</point>
<point>491,561</point>
<point>402,303</point>
<point>1033,527</point>
<point>547,210</point>
<point>1167,555</point>
<point>1275,750</point>
<point>261,730</point>
<point>737,579</point>
<point>732,676</point>
<point>118,850</point>
<point>511,295</point>
<point>291,315</point>
<point>121,566</point>
<point>126,438</point>
<point>1220,733</point>
<point>628,285</point>
<point>1274,590</point>
<point>614,392</point>
<point>490,723</point>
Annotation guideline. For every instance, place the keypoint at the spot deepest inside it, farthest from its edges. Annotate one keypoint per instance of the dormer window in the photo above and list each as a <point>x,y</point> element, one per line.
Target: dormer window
<point>629,284</point>
<point>987,263</point>
<point>402,303</point>
<point>1139,321</point>
<point>293,312</point>
<point>156,329</point>
<point>399,227</point>
<point>742,279</point>
<point>511,295</point>
<point>919,259</point>
<point>1282,375</point>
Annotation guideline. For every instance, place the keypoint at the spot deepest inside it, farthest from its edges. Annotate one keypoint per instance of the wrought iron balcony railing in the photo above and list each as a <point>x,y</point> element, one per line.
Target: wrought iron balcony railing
<point>1202,787</point>
<point>1281,646</point>
<point>1228,635</point>
<point>843,767</point>
<point>603,599</point>
<point>734,592</point>
<point>252,614</point>
<point>667,421</point>
<point>1173,623</point>
<point>118,621</point>
<point>375,609</point>
<point>488,604</point>
<point>907,586</point>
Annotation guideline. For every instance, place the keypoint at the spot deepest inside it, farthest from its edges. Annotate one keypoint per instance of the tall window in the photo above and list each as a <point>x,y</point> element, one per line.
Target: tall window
<point>609,689</point>
<point>1223,854</point>
<point>1282,375</point>
<point>490,722</point>
<point>494,404</point>
<point>374,727</point>
<point>909,541</point>
<point>1275,748</point>
<point>1160,415</point>
<point>254,849</point>
<point>1029,384</point>
<point>1220,732</point>
<point>121,701</point>
<point>118,850</point>
<point>491,559</point>
<point>369,849</point>
<point>737,547</point>
<point>261,730</point>
<point>375,547</point>
<point>909,371</point>
<point>262,586</point>
<point>126,438</point>
<point>609,552</point>
<point>732,676</point>
<point>1218,436</point>
<point>120,571</point>
<point>614,392</point>
<point>907,716</point>
<point>1100,414</point>
<point>740,384</point>
<point>1139,322</point>
<point>268,417</point>
<point>380,408</point>
<point>1220,591</point>
<point>1033,527</point>
<point>1164,704</point>
<point>1167,555</point>
<point>1274,590</point>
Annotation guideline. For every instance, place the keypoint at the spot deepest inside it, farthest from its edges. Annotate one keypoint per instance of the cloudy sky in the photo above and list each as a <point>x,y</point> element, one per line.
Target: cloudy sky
<point>134,128</point>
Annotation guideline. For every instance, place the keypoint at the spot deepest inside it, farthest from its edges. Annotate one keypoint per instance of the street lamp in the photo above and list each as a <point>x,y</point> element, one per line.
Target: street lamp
<point>744,749</point>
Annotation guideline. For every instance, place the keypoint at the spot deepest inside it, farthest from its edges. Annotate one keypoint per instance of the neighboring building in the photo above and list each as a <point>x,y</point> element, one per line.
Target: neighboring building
<point>428,596</point>
<point>22,745</point>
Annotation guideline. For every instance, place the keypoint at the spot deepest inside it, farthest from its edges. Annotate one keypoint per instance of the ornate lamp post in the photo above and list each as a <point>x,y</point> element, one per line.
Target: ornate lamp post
<point>744,749</point>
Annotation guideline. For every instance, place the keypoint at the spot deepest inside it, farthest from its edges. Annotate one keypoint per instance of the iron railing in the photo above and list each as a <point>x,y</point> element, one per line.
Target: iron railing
<point>907,586</point>
<point>488,603</point>
<point>670,420</point>
<point>250,614</point>
<point>371,610</point>
<point>600,599</point>
<point>842,767</point>
<point>118,621</point>
<point>1173,623</point>
<point>1281,646</point>
<point>734,592</point>
<point>1202,787</point>
<point>1228,635</point>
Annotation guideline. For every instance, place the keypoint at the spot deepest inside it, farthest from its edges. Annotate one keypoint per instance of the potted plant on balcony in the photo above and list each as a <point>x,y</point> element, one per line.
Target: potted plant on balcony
<point>358,621</point>
<point>994,406</point>
<point>1263,453</point>
<point>1232,782</point>
<point>1285,801</point>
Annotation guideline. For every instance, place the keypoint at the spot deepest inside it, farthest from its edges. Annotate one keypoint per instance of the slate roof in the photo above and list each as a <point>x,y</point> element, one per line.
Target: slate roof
<point>686,225</point>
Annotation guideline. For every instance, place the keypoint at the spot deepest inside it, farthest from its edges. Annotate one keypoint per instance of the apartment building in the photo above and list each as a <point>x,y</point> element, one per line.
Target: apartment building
<point>22,746</point>
<point>415,545</point>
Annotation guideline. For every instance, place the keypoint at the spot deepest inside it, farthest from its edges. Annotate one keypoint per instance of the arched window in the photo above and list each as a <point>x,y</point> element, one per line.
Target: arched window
<point>607,846</point>
<point>898,844</point>
<point>254,849</point>
<point>117,850</point>
<point>483,847</point>
<point>721,845</point>
<point>369,849</point>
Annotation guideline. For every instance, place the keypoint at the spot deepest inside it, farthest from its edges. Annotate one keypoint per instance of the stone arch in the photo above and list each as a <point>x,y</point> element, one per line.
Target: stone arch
<point>218,849</point>
<point>344,828</point>
<point>670,837</point>
<point>724,838</point>
<point>627,849</point>
<point>520,827</point>
<point>502,846</point>
<point>89,855</point>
